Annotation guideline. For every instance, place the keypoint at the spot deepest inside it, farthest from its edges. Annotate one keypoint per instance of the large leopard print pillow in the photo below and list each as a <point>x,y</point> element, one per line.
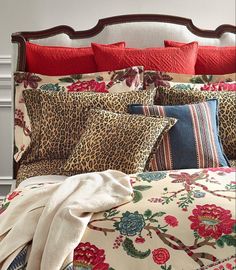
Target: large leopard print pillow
<point>227,111</point>
<point>116,141</point>
<point>125,80</point>
<point>57,118</point>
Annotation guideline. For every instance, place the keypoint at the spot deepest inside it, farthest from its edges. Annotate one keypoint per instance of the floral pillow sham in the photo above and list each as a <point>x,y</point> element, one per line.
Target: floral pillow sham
<point>125,80</point>
<point>226,82</point>
<point>58,118</point>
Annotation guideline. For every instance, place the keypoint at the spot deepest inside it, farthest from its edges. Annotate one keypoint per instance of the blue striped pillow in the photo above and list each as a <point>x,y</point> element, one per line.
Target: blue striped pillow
<point>193,142</point>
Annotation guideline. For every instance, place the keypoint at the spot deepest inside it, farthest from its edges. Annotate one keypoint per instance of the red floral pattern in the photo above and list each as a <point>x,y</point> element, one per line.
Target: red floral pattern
<point>228,266</point>
<point>184,177</point>
<point>210,220</point>
<point>88,255</point>
<point>221,169</point>
<point>139,240</point>
<point>160,255</point>
<point>13,195</point>
<point>88,86</point>
<point>221,86</point>
<point>171,220</point>
<point>28,79</point>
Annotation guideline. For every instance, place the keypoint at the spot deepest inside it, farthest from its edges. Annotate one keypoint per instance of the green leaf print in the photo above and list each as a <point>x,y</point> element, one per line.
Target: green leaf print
<point>137,196</point>
<point>148,213</point>
<point>196,235</point>
<point>158,214</point>
<point>186,200</point>
<point>51,87</point>
<point>132,251</point>
<point>67,80</point>
<point>99,78</point>
<point>220,243</point>
<point>207,78</point>
<point>151,176</point>
<point>167,200</point>
<point>229,240</point>
<point>230,186</point>
<point>196,79</point>
<point>142,188</point>
<point>76,76</point>
<point>110,213</point>
<point>234,228</point>
<point>165,267</point>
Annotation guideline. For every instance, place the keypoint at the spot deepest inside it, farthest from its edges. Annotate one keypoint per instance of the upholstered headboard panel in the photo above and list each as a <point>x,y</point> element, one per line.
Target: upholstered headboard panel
<point>136,30</point>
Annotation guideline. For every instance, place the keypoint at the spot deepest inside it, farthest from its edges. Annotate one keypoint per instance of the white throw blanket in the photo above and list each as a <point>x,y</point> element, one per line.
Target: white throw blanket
<point>55,216</point>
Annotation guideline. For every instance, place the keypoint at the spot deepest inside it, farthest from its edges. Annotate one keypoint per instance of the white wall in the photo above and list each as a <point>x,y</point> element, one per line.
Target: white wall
<point>18,15</point>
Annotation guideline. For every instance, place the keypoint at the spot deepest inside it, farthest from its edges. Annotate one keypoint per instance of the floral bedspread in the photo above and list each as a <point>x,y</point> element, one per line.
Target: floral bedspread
<point>178,220</point>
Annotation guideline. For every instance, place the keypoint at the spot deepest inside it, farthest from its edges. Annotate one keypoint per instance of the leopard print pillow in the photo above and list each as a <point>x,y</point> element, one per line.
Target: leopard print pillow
<point>57,118</point>
<point>227,111</point>
<point>116,141</point>
<point>125,80</point>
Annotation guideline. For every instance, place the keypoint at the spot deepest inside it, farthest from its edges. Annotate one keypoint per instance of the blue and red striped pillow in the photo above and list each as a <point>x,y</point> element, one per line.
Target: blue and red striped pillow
<point>193,142</point>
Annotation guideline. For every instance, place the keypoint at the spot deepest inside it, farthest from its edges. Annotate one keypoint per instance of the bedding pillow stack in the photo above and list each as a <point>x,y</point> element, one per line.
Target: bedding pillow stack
<point>80,123</point>
<point>130,79</point>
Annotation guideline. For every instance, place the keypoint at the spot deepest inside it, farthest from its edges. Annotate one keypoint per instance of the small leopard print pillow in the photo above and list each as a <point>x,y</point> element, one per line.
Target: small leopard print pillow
<point>116,141</point>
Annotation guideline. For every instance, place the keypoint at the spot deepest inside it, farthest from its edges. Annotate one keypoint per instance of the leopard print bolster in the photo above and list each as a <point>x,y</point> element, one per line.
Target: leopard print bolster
<point>42,167</point>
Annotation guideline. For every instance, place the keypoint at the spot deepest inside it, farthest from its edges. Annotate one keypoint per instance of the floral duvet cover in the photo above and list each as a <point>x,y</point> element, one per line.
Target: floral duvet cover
<point>178,220</point>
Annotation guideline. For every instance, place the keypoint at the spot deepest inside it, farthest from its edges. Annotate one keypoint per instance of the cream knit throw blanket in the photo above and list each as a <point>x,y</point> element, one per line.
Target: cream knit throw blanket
<point>55,215</point>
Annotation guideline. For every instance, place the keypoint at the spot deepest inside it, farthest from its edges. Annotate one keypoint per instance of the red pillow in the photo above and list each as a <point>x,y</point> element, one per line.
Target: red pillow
<point>176,60</point>
<point>52,60</point>
<point>212,60</point>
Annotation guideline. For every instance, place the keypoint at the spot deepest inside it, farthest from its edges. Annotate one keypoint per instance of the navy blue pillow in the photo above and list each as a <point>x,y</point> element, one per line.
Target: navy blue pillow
<point>193,142</point>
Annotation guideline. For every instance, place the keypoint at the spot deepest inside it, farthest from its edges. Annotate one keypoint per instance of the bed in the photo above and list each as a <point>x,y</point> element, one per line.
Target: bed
<point>175,203</point>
